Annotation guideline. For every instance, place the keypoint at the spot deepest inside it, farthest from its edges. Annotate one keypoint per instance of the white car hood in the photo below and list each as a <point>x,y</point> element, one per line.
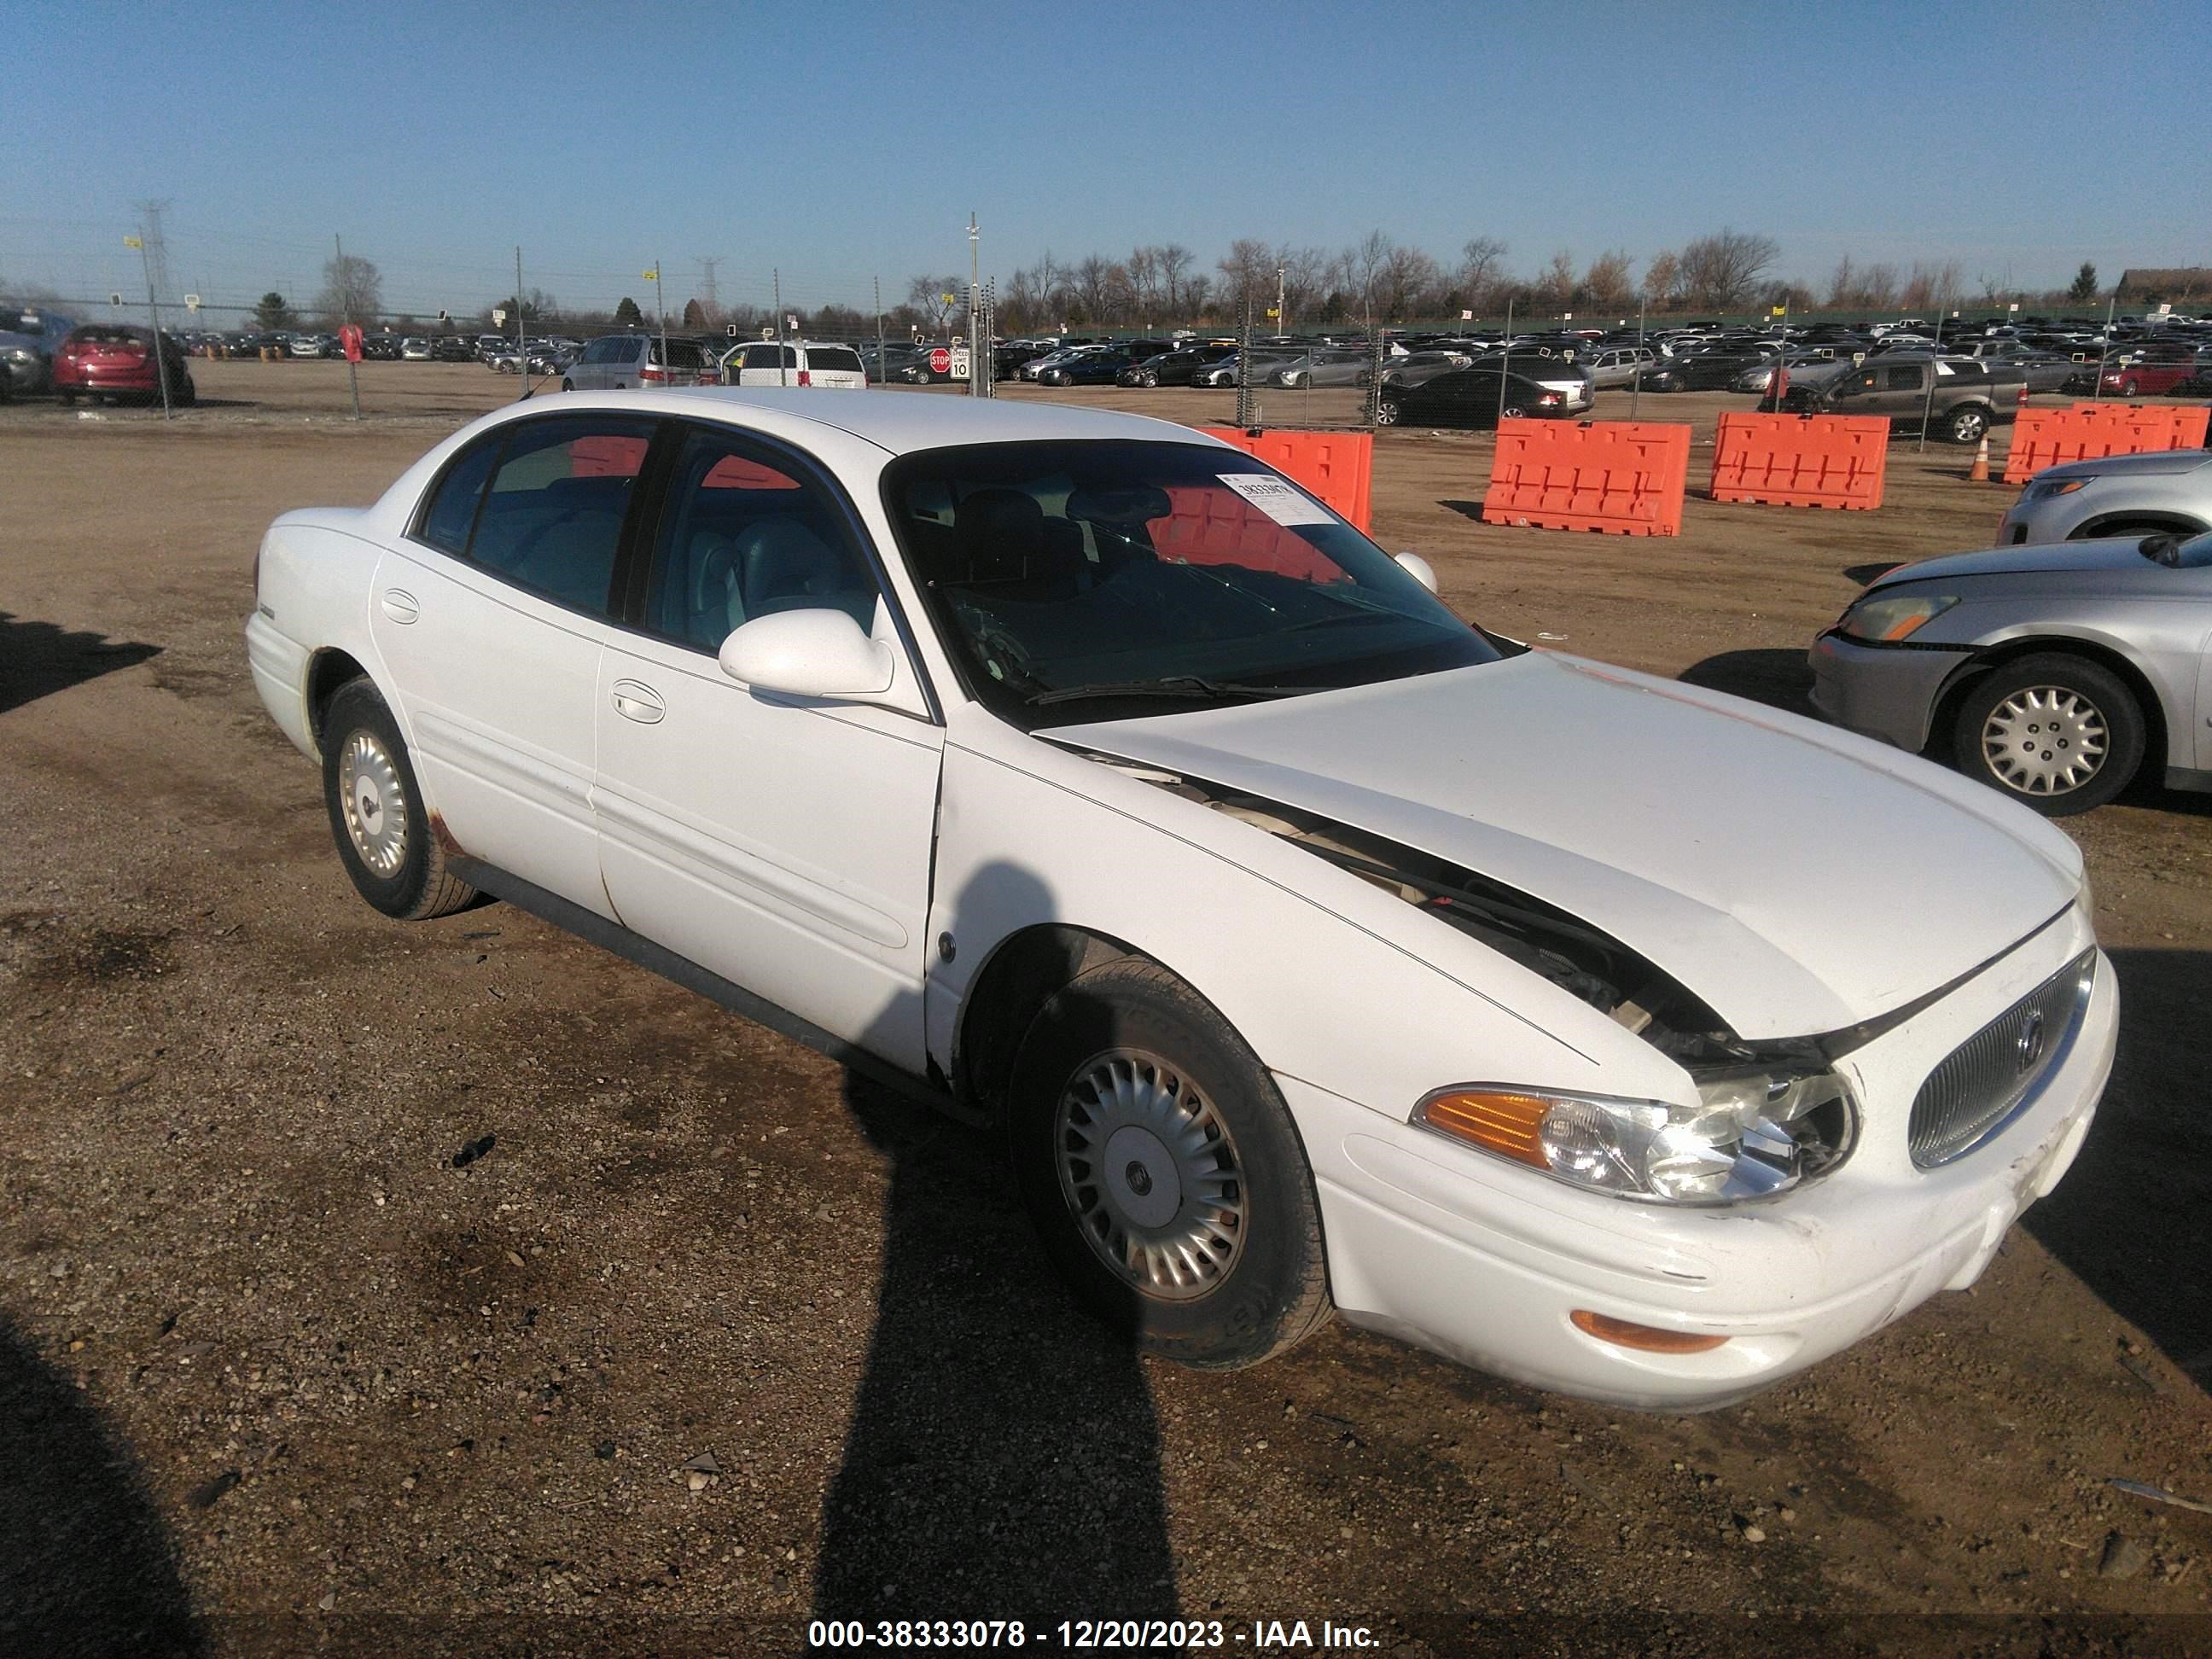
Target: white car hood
<point>1799,879</point>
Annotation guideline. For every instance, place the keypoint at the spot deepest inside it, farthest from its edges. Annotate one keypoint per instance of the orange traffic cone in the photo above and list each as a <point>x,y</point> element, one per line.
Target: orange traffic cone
<point>1980,474</point>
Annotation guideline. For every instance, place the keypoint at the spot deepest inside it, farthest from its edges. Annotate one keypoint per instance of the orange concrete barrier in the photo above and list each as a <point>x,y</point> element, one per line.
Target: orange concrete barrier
<point>1802,460</point>
<point>1337,466</point>
<point>2087,432</point>
<point>1623,476</point>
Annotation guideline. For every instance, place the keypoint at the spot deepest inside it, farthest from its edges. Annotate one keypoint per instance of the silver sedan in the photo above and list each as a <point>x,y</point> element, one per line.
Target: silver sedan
<point>2054,674</point>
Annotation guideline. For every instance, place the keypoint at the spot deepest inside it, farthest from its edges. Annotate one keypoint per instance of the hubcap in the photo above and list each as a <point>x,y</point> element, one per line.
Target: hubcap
<point>374,803</point>
<point>2045,740</point>
<point>1148,1169</point>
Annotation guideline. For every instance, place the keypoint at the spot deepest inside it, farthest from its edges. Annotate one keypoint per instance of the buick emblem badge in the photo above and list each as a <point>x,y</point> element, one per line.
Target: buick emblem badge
<point>2029,1044</point>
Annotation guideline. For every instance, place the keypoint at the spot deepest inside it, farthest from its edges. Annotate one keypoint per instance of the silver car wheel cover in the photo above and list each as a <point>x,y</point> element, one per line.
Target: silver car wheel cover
<point>2045,740</point>
<point>373,803</point>
<point>1150,1174</point>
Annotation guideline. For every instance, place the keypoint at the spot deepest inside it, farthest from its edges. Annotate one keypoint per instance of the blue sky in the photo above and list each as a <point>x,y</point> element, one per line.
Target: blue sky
<point>841,140</point>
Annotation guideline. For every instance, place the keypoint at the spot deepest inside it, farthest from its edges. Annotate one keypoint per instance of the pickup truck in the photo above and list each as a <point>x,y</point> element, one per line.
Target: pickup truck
<point>1967,400</point>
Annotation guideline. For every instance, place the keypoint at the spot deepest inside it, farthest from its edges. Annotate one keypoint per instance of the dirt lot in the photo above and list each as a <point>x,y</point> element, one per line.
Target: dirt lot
<point>278,1372</point>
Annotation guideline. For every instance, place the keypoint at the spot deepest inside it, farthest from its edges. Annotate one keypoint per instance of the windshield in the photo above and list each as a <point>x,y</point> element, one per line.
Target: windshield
<point>1080,581</point>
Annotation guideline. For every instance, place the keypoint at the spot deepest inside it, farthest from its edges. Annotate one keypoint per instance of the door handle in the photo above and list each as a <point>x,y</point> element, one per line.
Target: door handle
<point>399,605</point>
<point>634,700</point>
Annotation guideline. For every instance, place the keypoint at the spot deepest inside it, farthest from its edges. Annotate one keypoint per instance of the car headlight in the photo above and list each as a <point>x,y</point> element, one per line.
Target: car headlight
<point>2042,489</point>
<point>1888,618</point>
<point>1754,1131</point>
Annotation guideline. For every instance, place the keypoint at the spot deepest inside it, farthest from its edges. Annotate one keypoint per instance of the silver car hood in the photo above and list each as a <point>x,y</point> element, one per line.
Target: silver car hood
<point>2108,555</point>
<point>2154,464</point>
<point>1799,879</point>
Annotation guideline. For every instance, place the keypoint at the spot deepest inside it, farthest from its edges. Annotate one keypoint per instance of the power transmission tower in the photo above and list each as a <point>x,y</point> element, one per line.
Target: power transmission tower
<point>710,300</point>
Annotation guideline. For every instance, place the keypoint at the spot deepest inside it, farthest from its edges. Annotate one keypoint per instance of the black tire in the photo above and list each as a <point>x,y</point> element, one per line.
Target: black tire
<point>567,385</point>
<point>189,396</point>
<point>67,399</point>
<point>2130,388</point>
<point>1968,423</point>
<point>2094,706</point>
<point>1268,1284</point>
<point>418,885</point>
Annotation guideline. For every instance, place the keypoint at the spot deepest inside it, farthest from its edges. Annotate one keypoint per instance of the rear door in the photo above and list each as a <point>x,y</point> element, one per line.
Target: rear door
<point>490,616</point>
<point>783,843</point>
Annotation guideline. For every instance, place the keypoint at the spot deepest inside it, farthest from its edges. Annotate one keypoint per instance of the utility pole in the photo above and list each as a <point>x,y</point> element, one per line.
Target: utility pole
<point>782,351</point>
<point>882,369</point>
<point>978,373</point>
<point>521,330</point>
<point>345,318</point>
<point>1506,362</point>
<point>154,311</point>
<point>660,310</point>
<point>1282,323</point>
<point>1636,386</point>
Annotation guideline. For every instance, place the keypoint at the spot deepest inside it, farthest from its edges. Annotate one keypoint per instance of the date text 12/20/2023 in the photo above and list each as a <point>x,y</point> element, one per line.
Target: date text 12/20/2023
<point>1260,1636</point>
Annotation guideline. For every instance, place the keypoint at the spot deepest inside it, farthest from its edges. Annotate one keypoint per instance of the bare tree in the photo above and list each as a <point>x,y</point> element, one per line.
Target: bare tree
<point>1843,285</point>
<point>1662,279</point>
<point>1175,267</point>
<point>1090,286</point>
<point>1482,270</point>
<point>1364,261</point>
<point>1142,269</point>
<point>1606,283</point>
<point>932,297</point>
<point>353,290</point>
<point>1304,269</point>
<point>1557,284</point>
<point>1877,289</point>
<point>1407,284</point>
<point>1722,271</point>
<point>1247,274</point>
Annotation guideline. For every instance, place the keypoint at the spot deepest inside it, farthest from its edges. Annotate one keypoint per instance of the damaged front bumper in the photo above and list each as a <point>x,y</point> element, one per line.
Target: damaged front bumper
<point>1486,1264</point>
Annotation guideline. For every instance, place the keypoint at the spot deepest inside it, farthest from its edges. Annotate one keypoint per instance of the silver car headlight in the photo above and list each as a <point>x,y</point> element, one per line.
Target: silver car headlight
<point>2042,489</point>
<point>1885,619</point>
<point>1754,1131</point>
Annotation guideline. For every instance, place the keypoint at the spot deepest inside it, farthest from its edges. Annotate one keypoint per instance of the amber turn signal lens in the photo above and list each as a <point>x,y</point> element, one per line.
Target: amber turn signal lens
<point>1500,1120</point>
<point>1650,1339</point>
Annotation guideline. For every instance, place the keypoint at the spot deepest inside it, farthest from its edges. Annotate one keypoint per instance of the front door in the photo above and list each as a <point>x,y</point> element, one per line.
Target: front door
<point>489,617</point>
<point>783,843</point>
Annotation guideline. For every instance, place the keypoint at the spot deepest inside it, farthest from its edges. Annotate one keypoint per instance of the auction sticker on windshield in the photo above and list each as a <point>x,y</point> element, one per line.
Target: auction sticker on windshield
<point>1278,499</point>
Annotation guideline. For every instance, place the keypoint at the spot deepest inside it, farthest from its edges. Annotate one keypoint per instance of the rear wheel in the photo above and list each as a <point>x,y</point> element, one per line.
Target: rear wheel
<point>1163,1172</point>
<point>2058,732</point>
<point>1968,424</point>
<point>2130,388</point>
<point>567,385</point>
<point>1387,412</point>
<point>384,836</point>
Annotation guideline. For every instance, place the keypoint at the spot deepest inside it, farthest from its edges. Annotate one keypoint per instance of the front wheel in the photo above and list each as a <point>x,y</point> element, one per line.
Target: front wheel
<point>1386,413</point>
<point>384,836</point>
<point>1163,1172</point>
<point>2058,732</point>
<point>567,385</point>
<point>2130,388</point>
<point>1967,425</point>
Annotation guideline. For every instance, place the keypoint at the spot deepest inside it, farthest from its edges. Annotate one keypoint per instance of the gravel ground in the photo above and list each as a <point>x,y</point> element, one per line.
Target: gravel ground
<point>458,1287</point>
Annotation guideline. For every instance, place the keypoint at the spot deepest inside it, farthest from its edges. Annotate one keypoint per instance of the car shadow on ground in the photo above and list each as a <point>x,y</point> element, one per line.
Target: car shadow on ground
<point>1003,1453</point>
<point>86,1566</point>
<point>1780,679</point>
<point>2133,1219</point>
<point>38,659</point>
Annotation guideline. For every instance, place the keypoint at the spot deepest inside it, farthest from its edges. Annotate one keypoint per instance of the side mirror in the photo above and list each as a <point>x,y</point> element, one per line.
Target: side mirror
<point>1419,568</point>
<point>808,653</point>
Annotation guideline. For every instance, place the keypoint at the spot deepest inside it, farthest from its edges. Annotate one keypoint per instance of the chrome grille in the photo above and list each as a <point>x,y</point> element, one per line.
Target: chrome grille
<point>1980,1083</point>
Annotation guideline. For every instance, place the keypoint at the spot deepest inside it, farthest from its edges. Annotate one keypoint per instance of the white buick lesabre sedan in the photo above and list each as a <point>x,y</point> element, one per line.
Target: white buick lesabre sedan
<point>1315,949</point>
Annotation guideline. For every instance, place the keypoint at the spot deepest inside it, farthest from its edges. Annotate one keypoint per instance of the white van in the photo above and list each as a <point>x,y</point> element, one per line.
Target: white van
<point>804,363</point>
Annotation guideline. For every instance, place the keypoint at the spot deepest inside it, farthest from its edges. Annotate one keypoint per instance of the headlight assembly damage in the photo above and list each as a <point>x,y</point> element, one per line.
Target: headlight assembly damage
<point>1769,1116</point>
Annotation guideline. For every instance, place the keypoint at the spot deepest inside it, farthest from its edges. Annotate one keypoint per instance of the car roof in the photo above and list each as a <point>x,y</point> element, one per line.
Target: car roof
<point>899,423</point>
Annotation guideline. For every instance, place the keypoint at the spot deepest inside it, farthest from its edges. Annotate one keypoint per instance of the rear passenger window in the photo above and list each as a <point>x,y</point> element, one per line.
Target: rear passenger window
<point>742,538</point>
<point>833,358</point>
<point>452,511</point>
<point>552,520</point>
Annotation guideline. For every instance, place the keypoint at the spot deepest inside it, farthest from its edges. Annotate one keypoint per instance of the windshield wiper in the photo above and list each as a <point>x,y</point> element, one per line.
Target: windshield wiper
<point>1167,685</point>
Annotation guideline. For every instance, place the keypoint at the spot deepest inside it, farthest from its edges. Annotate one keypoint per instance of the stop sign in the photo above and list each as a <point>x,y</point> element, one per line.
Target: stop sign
<point>940,361</point>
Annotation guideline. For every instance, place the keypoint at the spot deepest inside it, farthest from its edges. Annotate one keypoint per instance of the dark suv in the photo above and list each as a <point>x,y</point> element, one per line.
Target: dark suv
<point>1967,396</point>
